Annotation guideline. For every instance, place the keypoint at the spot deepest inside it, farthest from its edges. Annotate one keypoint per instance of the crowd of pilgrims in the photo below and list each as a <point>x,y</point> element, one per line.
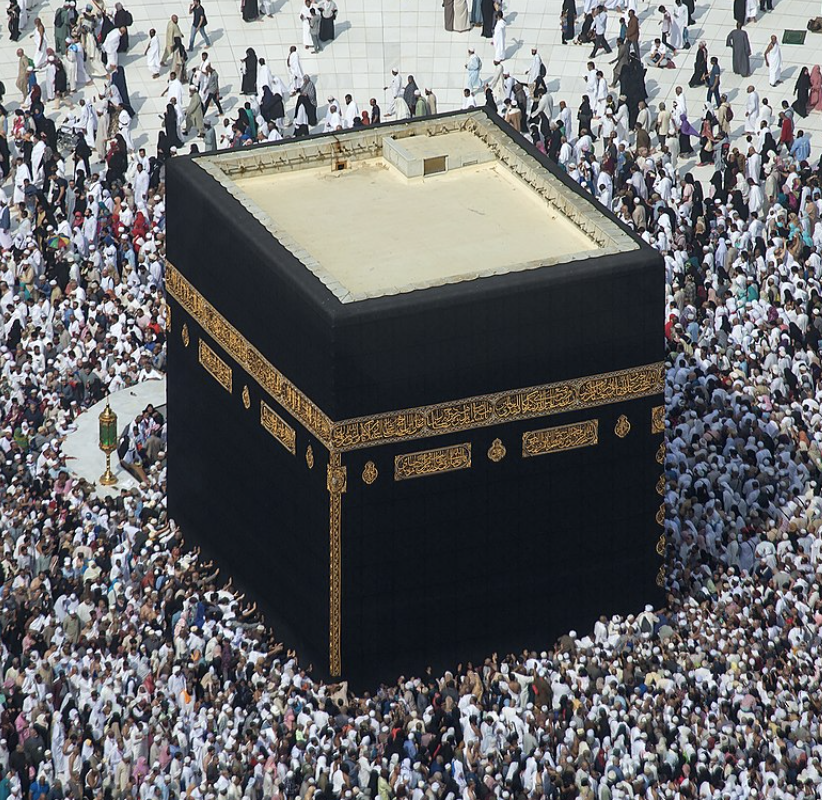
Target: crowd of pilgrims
<point>131,669</point>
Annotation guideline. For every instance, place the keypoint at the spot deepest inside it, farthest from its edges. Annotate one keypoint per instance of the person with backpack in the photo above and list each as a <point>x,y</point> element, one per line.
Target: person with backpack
<point>537,70</point>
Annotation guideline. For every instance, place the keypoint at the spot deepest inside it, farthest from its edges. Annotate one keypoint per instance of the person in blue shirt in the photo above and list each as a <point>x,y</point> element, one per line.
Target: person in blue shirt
<point>40,788</point>
<point>801,147</point>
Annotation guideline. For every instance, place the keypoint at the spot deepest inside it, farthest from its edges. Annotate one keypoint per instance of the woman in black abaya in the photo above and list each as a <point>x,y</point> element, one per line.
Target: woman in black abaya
<point>249,72</point>
<point>569,19</point>
<point>118,78</point>
<point>251,10</point>
<point>802,89</point>
<point>327,18</point>
<point>632,81</point>
<point>117,160</point>
<point>271,106</point>
<point>700,66</point>
<point>410,93</point>
<point>584,117</point>
<point>170,123</point>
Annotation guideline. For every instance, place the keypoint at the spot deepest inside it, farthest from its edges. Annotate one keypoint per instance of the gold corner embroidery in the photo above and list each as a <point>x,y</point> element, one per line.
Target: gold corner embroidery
<point>215,366</point>
<point>560,437</point>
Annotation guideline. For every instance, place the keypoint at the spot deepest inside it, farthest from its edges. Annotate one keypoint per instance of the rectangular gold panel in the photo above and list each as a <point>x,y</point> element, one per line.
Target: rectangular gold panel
<point>432,462</point>
<point>278,428</point>
<point>561,437</point>
<point>215,366</point>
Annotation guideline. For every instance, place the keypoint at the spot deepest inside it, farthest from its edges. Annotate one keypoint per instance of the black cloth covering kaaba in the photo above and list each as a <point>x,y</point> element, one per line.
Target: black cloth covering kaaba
<point>502,555</point>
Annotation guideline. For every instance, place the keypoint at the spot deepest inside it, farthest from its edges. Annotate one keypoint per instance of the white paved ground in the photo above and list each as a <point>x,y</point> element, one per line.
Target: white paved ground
<point>375,35</point>
<point>83,455</point>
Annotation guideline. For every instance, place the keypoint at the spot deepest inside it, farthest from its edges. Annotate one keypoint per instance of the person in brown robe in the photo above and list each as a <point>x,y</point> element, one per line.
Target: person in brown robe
<point>448,9</point>
<point>22,82</point>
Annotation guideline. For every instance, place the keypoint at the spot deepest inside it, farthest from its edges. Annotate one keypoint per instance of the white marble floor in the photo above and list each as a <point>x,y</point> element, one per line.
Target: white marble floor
<point>376,35</point>
<point>83,456</point>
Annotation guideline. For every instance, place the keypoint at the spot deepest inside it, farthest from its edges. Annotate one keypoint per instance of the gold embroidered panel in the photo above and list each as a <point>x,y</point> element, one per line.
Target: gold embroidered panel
<point>278,428</point>
<point>432,462</point>
<point>658,419</point>
<point>337,483</point>
<point>215,366</point>
<point>423,421</point>
<point>622,427</point>
<point>247,356</point>
<point>497,451</point>
<point>369,473</point>
<point>561,437</point>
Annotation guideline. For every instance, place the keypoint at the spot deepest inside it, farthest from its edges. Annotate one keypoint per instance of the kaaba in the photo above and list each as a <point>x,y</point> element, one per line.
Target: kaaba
<point>414,392</point>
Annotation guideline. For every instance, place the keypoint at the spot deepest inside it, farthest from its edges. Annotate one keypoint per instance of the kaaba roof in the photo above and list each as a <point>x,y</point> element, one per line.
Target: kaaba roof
<point>391,209</point>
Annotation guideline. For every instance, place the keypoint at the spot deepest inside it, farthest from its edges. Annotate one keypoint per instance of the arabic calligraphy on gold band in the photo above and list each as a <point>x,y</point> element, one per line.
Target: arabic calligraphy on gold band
<point>215,366</point>
<point>423,421</point>
<point>561,437</point>
<point>494,409</point>
<point>432,462</point>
